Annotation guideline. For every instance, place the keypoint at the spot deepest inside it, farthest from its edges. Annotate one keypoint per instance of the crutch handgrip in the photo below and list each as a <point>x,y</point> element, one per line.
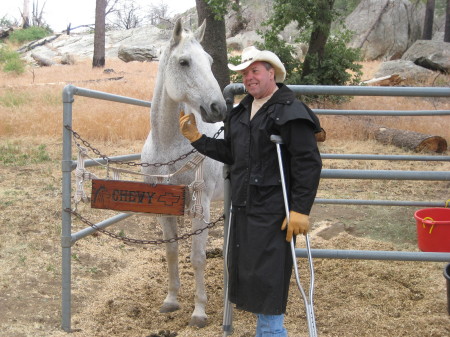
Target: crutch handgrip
<point>276,139</point>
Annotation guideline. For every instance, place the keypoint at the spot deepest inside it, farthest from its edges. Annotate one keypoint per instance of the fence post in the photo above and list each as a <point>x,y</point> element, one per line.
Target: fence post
<point>66,230</point>
<point>227,325</point>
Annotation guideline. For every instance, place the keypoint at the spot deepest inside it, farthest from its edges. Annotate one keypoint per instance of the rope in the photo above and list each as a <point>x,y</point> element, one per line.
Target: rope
<point>81,175</point>
<point>196,188</point>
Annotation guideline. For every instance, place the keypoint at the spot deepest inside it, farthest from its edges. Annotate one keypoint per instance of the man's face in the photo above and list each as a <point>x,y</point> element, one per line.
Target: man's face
<point>259,81</point>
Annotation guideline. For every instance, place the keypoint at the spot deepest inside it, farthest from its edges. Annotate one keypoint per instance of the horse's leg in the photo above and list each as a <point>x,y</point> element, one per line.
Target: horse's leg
<point>170,303</point>
<point>198,260</point>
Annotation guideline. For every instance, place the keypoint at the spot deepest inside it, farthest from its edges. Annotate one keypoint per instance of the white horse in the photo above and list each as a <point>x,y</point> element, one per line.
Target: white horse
<point>185,81</point>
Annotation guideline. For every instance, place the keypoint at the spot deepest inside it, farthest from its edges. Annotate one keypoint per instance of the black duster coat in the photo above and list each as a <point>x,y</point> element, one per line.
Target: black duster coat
<point>260,262</point>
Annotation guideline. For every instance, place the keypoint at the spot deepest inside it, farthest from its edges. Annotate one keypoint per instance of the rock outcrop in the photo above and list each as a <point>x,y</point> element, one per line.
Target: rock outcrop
<point>408,71</point>
<point>430,54</point>
<point>138,53</point>
<point>150,39</point>
<point>385,29</point>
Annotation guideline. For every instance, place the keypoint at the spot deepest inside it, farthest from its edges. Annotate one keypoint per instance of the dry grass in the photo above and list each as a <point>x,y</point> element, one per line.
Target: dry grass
<point>30,104</point>
<point>34,107</point>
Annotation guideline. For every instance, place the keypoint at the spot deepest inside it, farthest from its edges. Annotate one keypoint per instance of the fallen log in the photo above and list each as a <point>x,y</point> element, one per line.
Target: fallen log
<point>411,140</point>
<point>35,44</point>
<point>389,80</point>
<point>42,61</point>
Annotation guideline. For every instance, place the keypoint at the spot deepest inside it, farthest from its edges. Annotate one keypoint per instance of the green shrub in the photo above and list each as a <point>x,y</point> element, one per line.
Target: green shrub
<point>14,66</point>
<point>235,77</point>
<point>6,54</point>
<point>10,61</point>
<point>29,34</point>
<point>339,66</point>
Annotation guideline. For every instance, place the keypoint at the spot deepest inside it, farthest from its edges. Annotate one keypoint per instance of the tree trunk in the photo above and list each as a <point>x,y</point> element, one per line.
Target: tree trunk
<point>319,36</point>
<point>447,23</point>
<point>98,59</point>
<point>411,140</point>
<point>214,42</point>
<point>241,21</point>
<point>26,14</point>
<point>427,33</point>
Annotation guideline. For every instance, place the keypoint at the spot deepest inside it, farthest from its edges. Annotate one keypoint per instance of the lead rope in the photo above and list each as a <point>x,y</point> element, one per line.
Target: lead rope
<point>196,189</point>
<point>81,175</point>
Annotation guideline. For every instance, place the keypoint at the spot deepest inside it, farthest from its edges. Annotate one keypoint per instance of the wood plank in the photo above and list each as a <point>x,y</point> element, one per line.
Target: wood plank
<point>138,197</point>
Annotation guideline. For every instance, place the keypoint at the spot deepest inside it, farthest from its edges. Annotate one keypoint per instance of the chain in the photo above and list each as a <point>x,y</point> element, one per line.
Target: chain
<point>145,242</point>
<point>77,136</point>
<point>209,225</point>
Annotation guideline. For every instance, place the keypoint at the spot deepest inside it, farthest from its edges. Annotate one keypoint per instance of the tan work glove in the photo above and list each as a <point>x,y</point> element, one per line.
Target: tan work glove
<point>188,127</point>
<point>298,224</point>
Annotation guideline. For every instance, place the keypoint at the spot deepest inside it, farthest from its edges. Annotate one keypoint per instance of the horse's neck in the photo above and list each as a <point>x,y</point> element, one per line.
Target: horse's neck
<point>164,119</point>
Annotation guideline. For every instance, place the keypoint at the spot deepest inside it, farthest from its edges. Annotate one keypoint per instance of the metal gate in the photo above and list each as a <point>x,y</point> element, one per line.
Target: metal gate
<point>68,165</point>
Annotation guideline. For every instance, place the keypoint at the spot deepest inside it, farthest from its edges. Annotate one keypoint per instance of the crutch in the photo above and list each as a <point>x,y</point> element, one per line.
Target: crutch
<point>228,309</point>
<point>309,306</point>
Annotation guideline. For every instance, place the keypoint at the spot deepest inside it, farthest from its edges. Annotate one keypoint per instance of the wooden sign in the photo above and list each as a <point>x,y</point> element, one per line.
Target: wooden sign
<point>138,197</point>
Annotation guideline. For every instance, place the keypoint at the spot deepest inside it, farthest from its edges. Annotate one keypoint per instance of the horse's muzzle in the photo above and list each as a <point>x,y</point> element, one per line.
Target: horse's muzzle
<point>215,113</point>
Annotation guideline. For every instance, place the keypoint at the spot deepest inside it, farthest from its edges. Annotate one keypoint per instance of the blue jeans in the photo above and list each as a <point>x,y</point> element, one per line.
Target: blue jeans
<point>270,326</point>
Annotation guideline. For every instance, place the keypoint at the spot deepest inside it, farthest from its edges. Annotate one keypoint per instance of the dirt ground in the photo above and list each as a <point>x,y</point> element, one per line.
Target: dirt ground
<point>118,287</point>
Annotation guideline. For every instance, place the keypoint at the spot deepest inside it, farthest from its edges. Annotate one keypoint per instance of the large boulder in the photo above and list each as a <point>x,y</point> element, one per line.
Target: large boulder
<point>137,53</point>
<point>431,54</point>
<point>242,40</point>
<point>409,73</point>
<point>385,29</point>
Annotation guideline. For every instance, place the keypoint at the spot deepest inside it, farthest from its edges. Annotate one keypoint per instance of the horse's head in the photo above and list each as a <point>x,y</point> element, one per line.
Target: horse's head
<point>188,75</point>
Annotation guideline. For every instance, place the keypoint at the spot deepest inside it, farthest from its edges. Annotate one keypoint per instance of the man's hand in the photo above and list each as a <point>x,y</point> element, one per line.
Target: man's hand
<point>188,127</point>
<point>298,224</point>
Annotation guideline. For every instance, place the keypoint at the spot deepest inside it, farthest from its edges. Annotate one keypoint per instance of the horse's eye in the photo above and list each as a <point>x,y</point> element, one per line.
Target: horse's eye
<point>184,62</point>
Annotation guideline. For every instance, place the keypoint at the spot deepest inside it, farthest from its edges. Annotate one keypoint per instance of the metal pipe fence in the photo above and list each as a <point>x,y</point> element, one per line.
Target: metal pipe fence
<point>68,165</point>
<point>238,89</point>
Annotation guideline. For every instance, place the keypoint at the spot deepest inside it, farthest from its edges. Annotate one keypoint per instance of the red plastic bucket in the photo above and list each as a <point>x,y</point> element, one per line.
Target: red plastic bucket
<point>433,229</point>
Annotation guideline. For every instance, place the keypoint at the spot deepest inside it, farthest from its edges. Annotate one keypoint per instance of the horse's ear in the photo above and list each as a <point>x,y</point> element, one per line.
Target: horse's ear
<point>200,32</point>
<point>176,36</point>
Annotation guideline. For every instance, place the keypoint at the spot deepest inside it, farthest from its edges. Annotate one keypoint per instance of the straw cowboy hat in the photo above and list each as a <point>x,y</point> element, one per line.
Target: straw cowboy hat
<point>251,54</point>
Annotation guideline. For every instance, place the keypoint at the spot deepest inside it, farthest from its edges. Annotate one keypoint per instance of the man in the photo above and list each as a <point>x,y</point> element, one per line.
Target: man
<point>260,261</point>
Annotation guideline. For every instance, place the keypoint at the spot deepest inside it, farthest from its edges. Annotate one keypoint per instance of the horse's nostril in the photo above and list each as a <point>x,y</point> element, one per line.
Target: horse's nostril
<point>214,108</point>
